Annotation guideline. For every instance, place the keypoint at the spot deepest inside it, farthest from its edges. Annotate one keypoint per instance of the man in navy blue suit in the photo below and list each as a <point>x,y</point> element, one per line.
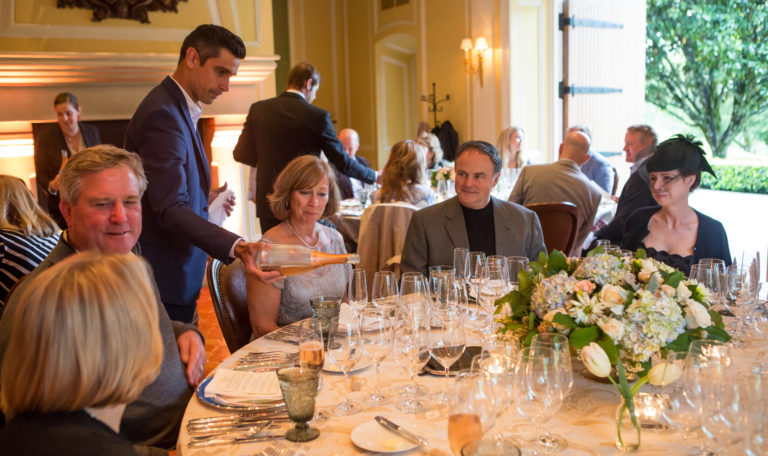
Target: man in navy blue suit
<point>176,234</point>
<point>287,126</point>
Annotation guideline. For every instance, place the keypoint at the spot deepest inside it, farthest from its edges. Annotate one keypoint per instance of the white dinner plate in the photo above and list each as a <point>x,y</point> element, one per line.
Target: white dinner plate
<point>349,202</point>
<point>372,436</point>
<point>332,368</point>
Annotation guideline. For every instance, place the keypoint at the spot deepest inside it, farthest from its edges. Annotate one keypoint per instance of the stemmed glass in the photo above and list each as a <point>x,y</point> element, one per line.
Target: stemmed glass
<point>515,264</point>
<point>384,292</point>
<point>494,285</point>
<point>561,346</point>
<point>357,291</point>
<point>414,292</point>
<point>742,297</point>
<point>499,261</point>
<point>412,352</point>
<point>447,341</point>
<point>540,392</point>
<point>461,263</point>
<point>311,352</point>
<point>471,411</point>
<point>345,350</point>
<point>377,330</point>
<point>678,410</point>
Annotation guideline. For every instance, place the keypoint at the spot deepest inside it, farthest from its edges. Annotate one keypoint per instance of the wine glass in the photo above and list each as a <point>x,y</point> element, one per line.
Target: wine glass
<point>357,290</point>
<point>742,297</point>
<point>377,331</point>
<point>461,263</point>
<point>412,352</point>
<point>677,408</point>
<point>311,352</point>
<point>515,264</point>
<point>493,286</point>
<point>414,292</point>
<point>299,388</point>
<point>499,261</point>
<point>447,341</point>
<point>384,292</point>
<point>540,392</point>
<point>474,277</point>
<point>719,278</point>
<point>560,344</point>
<point>471,411</point>
<point>344,350</point>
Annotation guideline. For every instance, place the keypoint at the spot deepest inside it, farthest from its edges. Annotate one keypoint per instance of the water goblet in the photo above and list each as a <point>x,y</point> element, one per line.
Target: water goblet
<point>299,388</point>
<point>324,308</point>
<point>377,331</point>
<point>384,292</point>
<point>344,349</point>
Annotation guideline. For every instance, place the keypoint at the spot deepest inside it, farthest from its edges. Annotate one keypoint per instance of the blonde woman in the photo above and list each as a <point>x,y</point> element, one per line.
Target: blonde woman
<point>304,192</point>
<point>434,151</point>
<point>84,343</point>
<point>402,177</point>
<point>510,145</point>
<point>27,234</point>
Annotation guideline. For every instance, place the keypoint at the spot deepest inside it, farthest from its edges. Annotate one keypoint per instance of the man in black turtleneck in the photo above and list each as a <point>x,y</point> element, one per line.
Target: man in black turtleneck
<point>473,219</point>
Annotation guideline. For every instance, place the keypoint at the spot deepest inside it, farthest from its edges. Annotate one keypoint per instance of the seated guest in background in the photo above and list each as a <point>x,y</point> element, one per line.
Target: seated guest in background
<point>434,151</point>
<point>596,167</point>
<point>472,219</point>
<point>673,232</point>
<point>349,186</point>
<point>304,192</point>
<point>639,144</point>
<point>562,181</point>
<point>84,344</point>
<point>101,190</point>
<point>402,176</point>
<point>510,145</point>
<point>56,145</point>
<point>27,234</point>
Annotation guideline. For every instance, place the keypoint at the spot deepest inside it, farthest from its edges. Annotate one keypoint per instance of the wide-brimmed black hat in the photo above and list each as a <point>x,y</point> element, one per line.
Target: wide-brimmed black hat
<point>679,152</point>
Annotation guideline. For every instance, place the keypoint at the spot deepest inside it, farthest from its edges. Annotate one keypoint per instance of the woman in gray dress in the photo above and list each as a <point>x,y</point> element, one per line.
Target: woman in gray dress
<point>304,192</point>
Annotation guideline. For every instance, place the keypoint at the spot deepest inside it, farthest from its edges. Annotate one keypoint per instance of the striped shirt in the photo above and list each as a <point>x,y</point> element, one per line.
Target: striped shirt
<point>19,255</point>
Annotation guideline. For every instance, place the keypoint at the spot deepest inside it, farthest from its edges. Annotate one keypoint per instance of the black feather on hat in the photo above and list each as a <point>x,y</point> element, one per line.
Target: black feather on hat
<point>679,152</point>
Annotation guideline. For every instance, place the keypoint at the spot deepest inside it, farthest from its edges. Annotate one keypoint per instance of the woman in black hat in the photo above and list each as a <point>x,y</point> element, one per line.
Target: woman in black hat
<point>673,232</point>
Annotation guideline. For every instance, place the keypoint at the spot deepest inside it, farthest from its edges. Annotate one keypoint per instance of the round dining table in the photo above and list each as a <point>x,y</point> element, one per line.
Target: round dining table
<point>586,419</point>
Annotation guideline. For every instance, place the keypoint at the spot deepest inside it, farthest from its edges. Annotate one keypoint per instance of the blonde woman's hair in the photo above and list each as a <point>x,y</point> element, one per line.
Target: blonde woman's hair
<point>84,335</point>
<point>403,169</point>
<point>432,143</point>
<point>300,174</point>
<point>95,159</point>
<point>20,212</point>
<point>502,145</point>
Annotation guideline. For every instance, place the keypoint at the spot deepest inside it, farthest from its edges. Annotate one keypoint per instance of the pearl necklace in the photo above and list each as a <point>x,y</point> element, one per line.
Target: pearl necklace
<point>317,243</point>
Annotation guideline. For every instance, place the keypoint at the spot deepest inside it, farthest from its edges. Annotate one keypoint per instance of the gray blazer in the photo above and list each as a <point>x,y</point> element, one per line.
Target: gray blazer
<point>436,230</point>
<point>557,182</point>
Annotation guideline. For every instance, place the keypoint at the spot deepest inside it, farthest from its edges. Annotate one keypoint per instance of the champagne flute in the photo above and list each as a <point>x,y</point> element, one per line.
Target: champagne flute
<point>357,290</point>
<point>377,331</point>
<point>344,350</point>
<point>311,352</point>
<point>384,292</point>
<point>447,341</point>
<point>412,353</point>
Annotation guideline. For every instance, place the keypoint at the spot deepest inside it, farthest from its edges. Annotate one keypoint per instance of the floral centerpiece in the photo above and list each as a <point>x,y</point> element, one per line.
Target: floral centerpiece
<point>617,311</point>
<point>442,173</point>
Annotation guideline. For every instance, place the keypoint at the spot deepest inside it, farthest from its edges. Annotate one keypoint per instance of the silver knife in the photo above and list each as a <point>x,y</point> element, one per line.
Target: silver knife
<point>396,428</point>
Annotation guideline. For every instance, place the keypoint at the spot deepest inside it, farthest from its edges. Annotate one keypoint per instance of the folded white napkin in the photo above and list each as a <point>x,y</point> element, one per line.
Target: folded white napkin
<point>243,386</point>
<point>216,212</point>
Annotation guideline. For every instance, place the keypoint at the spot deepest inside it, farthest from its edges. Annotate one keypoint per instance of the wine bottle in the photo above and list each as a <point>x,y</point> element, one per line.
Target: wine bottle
<point>297,259</point>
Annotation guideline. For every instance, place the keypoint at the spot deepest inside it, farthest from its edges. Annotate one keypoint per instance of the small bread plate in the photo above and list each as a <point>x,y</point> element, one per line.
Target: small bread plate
<point>219,403</point>
<point>372,436</point>
<point>332,368</point>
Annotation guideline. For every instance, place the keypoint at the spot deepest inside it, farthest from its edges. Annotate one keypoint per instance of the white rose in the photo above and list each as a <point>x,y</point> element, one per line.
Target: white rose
<point>696,315</point>
<point>613,295</point>
<point>683,292</point>
<point>613,327</point>
<point>596,360</point>
<point>664,374</point>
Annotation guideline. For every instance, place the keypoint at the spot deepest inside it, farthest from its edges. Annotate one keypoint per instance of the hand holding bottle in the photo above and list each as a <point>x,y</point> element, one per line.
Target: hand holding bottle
<point>249,252</point>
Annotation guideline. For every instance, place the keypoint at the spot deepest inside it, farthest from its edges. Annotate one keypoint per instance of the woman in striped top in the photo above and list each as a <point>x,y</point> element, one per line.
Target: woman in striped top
<point>27,234</point>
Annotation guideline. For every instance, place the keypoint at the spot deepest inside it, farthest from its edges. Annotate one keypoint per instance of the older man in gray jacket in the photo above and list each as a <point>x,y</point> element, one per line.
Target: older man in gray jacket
<point>473,219</point>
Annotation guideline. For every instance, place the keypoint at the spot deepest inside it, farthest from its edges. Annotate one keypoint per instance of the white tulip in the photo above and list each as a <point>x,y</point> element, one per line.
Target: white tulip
<point>664,374</point>
<point>594,357</point>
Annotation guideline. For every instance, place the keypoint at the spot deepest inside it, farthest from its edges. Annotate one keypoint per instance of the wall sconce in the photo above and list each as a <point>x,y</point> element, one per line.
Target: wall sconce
<point>469,52</point>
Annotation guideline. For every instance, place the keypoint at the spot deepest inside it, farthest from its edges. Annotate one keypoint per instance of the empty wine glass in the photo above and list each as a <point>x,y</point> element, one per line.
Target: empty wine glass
<point>461,263</point>
<point>357,290</point>
<point>560,345</point>
<point>377,331</point>
<point>742,297</point>
<point>493,286</point>
<point>515,264</point>
<point>411,351</point>
<point>473,278</point>
<point>499,261</point>
<point>447,341</point>
<point>384,294</point>
<point>677,409</point>
<point>414,292</point>
<point>344,350</point>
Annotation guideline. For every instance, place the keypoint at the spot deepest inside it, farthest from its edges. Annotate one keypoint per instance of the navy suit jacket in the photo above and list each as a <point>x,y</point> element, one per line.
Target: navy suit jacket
<point>636,194</point>
<point>176,234</point>
<point>282,128</point>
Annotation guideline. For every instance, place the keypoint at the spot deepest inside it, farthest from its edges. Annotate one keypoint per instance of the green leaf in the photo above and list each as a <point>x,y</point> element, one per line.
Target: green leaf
<point>565,320</point>
<point>596,251</point>
<point>542,258</point>
<point>528,337</point>
<point>717,319</point>
<point>713,332</point>
<point>583,336</point>
<point>609,347</point>
<point>674,279</point>
<point>525,282</point>
<point>681,343</point>
<point>557,262</point>
<point>531,321</point>
<point>640,254</point>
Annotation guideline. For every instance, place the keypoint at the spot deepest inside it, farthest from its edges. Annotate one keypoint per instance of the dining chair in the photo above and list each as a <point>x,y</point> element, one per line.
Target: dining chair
<point>227,286</point>
<point>383,228</point>
<point>559,224</point>
<point>615,181</point>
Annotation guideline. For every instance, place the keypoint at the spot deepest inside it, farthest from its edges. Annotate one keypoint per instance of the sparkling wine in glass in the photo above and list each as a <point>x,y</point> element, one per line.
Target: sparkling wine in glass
<point>311,352</point>
<point>471,411</point>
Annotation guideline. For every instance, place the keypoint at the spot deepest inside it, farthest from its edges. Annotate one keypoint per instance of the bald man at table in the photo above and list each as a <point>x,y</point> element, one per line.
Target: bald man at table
<point>472,219</point>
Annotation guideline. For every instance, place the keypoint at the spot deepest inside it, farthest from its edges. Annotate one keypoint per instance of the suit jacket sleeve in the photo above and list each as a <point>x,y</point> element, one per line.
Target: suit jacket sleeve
<point>164,151</point>
<point>604,176</point>
<point>245,150</point>
<point>414,255</point>
<point>335,152</point>
<point>518,191</point>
